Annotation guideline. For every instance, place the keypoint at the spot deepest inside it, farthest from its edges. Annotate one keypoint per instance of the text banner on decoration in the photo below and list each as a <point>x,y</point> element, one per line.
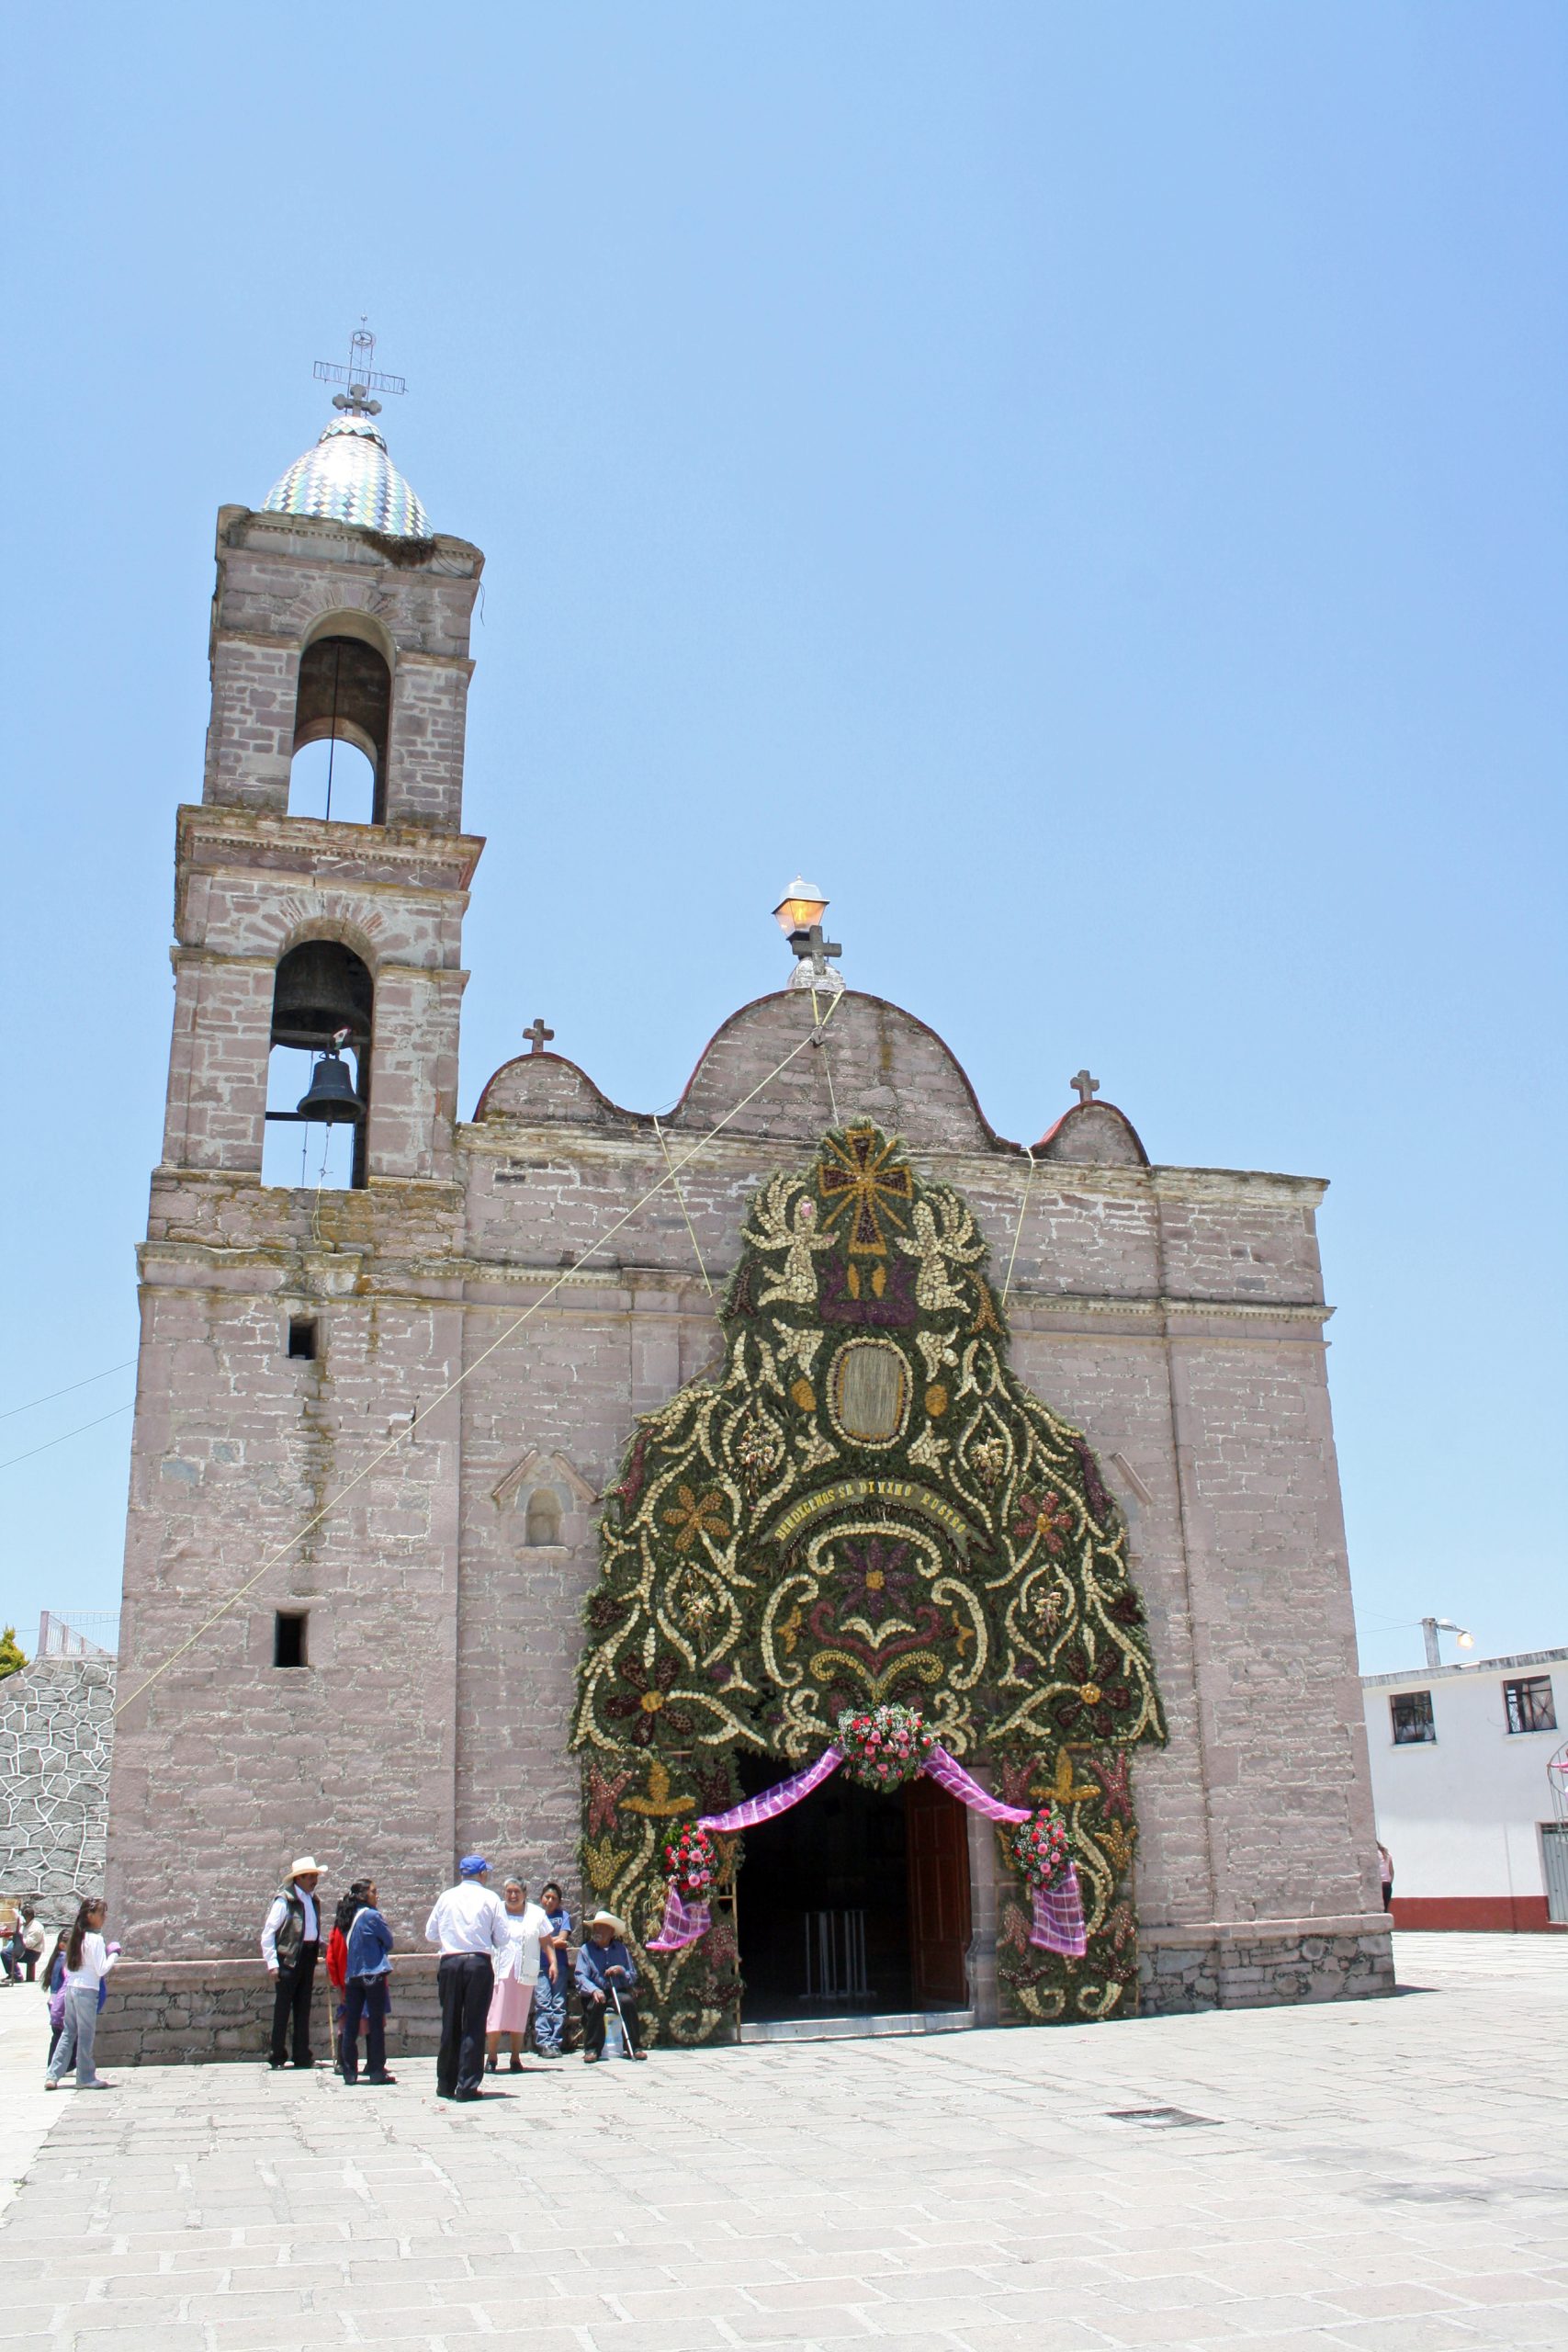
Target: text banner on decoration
<point>847,1492</point>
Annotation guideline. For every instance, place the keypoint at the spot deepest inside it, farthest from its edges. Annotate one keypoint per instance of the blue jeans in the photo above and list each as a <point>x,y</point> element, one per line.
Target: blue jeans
<point>365,1997</point>
<point>76,2044</point>
<point>549,2013</point>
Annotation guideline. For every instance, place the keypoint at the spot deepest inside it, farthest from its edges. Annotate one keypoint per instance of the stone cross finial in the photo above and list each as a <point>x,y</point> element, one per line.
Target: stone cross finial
<point>1088,1086</point>
<point>538,1035</point>
<point>820,948</point>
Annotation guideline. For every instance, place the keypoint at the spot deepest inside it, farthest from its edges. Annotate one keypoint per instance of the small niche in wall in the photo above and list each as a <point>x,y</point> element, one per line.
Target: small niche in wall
<point>289,1646</point>
<point>542,1523</point>
<point>303,1337</point>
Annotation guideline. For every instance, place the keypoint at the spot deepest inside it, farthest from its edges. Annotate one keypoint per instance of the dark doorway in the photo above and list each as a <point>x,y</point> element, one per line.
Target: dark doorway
<point>827,1900</point>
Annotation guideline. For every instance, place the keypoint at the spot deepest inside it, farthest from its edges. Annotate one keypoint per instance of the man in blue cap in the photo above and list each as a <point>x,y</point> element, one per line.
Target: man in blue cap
<point>470,1926</point>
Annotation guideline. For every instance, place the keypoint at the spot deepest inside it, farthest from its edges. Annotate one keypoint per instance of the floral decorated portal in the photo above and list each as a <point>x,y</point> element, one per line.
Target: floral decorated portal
<point>862,1506</point>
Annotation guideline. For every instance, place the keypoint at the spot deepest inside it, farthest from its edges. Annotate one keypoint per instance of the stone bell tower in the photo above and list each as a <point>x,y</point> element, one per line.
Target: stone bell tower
<point>285,1328</point>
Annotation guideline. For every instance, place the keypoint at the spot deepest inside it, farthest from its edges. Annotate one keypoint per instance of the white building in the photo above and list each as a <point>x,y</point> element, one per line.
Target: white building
<point>1470,1791</point>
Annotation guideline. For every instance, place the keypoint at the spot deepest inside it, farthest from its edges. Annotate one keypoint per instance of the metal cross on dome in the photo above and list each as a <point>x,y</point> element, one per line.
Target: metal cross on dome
<point>359,375</point>
<point>1088,1086</point>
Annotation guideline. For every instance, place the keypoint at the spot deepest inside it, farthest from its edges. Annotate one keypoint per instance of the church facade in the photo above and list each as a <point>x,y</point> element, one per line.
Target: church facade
<point>387,1594</point>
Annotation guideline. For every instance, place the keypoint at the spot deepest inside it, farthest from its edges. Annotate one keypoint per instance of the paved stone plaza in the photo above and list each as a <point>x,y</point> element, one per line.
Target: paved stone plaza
<point>1392,2176</point>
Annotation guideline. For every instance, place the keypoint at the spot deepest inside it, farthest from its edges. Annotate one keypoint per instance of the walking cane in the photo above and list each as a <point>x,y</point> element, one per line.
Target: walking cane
<point>626,2050</point>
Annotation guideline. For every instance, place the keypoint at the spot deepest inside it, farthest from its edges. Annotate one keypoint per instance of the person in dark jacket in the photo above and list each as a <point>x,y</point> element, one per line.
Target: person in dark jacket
<point>605,1972</point>
<point>292,1945</point>
<point>369,1986</point>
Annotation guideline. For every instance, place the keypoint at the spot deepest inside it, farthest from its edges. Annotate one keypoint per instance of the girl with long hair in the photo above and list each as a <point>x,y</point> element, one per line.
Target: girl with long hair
<point>54,1990</point>
<point>88,1961</point>
<point>349,1907</point>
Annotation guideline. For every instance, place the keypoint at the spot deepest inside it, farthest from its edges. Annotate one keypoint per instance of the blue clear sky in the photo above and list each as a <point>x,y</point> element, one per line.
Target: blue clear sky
<point>1086,482</point>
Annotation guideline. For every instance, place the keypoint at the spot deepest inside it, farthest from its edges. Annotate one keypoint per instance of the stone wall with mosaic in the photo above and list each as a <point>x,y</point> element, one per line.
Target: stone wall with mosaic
<point>860,1504</point>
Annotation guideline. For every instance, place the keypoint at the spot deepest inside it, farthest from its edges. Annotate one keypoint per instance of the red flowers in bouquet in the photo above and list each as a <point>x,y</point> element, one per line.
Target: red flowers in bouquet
<point>689,1862</point>
<point>1039,1847</point>
<point>885,1746</point>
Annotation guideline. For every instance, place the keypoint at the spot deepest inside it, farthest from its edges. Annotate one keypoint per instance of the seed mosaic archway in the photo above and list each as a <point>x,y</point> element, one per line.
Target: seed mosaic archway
<point>860,1503</point>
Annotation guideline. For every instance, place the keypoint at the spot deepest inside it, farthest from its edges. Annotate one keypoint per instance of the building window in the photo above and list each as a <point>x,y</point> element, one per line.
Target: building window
<point>288,1637</point>
<point>1412,1714</point>
<point>1528,1703</point>
<point>302,1337</point>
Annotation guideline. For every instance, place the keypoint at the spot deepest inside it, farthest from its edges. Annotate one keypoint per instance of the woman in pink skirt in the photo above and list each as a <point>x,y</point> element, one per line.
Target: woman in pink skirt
<point>516,1972</point>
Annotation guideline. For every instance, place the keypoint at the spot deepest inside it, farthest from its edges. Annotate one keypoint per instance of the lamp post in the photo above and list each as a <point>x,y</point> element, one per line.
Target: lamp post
<point>1432,1626</point>
<point>799,916</point>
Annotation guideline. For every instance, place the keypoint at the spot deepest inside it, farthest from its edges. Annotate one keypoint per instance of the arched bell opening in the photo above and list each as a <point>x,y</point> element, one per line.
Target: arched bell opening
<point>319,1068</point>
<point>343,716</point>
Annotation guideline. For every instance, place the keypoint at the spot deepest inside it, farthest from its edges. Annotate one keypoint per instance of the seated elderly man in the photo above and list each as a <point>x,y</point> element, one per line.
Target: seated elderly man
<point>606,1978</point>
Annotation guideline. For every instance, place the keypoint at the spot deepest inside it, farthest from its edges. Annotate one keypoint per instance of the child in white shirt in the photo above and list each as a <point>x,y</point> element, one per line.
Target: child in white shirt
<point>88,1961</point>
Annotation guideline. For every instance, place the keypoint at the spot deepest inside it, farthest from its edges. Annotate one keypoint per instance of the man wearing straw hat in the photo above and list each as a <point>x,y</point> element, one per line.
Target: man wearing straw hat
<point>291,1944</point>
<point>606,1979</point>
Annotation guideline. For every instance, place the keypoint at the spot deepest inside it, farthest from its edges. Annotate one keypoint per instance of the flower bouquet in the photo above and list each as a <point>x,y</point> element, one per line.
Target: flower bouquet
<point>691,1866</point>
<point>689,1862</point>
<point>1039,1847</point>
<point>883,1747</point>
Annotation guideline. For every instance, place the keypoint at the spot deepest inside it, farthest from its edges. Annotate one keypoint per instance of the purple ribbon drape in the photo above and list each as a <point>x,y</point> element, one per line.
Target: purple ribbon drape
<point>683,1922</point>
<point>1058,1917</point>
<point>949,1773</point>
<point>1058,1923</point>
<point>772,1802</point>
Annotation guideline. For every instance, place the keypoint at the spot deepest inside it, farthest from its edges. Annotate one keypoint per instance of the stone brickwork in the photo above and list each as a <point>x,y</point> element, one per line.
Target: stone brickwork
<point>1245,1971</point>
<point>56,1738</point>
<point>193,2013</point>
<point>1175,1314</point>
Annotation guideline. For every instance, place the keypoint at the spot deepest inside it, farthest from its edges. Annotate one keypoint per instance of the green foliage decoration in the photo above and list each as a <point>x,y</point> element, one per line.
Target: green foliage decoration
<point>862,1506</point>
<point>13,1657</point>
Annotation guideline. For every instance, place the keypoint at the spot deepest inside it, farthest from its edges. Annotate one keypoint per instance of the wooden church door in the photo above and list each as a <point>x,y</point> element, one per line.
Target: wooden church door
<point>937,1849</point>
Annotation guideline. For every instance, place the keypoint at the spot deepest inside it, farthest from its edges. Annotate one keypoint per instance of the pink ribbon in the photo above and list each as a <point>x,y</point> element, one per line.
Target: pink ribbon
<point>1058,1917</point>
<point>683,1922</point>
<point>1058,1923</point>
<point>751,1811</point>
<point>949,1773</point>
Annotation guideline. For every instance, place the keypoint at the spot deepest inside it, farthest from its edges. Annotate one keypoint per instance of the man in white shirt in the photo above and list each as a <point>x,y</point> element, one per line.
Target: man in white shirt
<point>470,1926</point>
<point>291,1944</point>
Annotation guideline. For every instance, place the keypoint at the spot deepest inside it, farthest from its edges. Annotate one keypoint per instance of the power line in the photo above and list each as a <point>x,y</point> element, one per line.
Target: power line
<point>77,1431</point>
<point>12,1410</point>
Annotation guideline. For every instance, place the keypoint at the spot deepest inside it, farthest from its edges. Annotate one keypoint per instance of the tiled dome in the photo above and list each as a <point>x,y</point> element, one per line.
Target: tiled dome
<point>348,478</point>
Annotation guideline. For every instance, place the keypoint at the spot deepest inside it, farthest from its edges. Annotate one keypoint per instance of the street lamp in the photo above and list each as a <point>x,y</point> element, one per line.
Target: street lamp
<point>799,916</point>
<point>1432,1626</point>
<point>800,907</point>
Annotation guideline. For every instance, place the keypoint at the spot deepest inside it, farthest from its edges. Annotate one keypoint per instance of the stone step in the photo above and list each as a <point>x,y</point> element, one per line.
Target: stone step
<point>860,2029</point>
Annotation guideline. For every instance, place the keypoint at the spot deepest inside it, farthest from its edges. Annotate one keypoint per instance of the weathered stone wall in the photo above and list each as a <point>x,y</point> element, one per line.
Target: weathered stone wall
<point>1242,1970</point>
<point>56,1738</point>
<point>285,579</point>
<point>184,2013</point>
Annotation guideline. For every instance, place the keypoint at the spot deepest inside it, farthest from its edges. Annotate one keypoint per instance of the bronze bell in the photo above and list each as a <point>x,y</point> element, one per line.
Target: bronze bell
<point>321,986</point>
<point>331,1098</point>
